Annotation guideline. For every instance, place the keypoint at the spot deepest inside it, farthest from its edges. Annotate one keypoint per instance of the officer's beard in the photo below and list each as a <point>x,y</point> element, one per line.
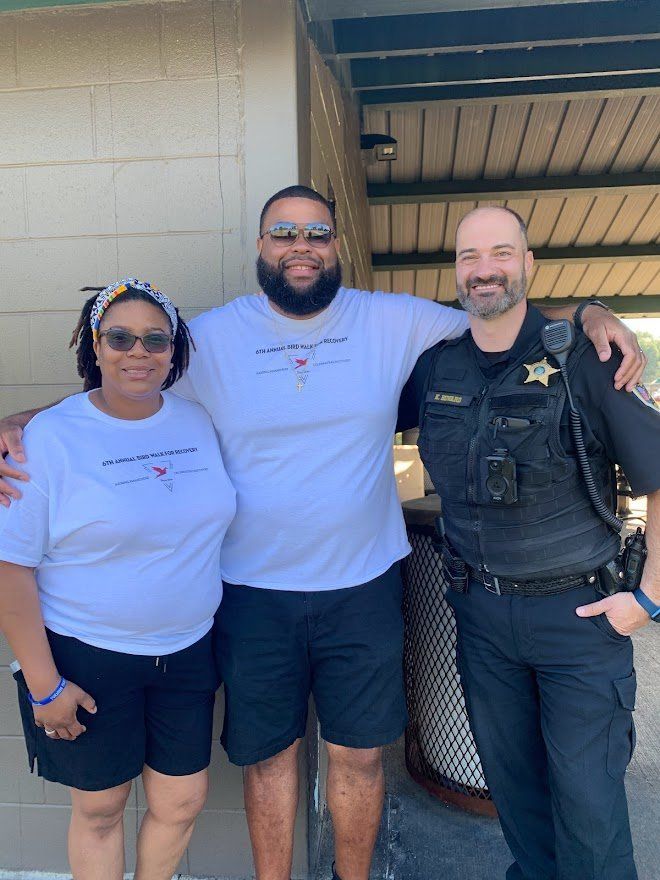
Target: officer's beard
<point>292,301</point>
<point>492,306</point>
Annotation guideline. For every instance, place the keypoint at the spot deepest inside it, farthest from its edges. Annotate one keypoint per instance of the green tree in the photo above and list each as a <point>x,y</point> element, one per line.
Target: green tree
<point>650,344</point>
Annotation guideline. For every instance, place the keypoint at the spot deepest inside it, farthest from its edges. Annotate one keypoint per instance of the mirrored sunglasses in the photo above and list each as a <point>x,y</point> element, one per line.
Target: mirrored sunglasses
<point>285,233</point>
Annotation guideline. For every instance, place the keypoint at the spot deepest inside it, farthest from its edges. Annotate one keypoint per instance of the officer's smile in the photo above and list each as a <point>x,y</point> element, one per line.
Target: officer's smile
<point>487,285</point>
<point>487,288</point>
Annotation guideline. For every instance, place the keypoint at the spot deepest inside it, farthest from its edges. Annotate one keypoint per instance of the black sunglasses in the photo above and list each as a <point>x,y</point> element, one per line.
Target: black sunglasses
<point>122,340</point>
<point>285,233</point>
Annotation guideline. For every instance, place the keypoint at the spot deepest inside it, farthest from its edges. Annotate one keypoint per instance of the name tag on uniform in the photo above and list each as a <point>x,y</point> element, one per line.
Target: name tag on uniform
<point>449,397</point>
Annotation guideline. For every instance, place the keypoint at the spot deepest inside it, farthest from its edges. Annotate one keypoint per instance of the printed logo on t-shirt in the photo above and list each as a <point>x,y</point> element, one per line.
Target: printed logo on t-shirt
<point>300,358</point>
<point>158,468</point>
<point>163,472</point>
<point>298,362</point>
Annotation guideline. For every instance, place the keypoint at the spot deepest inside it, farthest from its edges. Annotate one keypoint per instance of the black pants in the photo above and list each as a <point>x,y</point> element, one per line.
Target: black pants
<point>550,698</point>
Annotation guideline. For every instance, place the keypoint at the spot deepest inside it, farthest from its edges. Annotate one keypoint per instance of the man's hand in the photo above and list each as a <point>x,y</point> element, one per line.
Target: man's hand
<point>603,328</point>
<point>622,610</point>
<point>60,715</point>
<point>10,443</point>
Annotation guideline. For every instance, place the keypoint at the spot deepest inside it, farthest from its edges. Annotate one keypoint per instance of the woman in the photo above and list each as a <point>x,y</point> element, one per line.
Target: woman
<point>109,580</point>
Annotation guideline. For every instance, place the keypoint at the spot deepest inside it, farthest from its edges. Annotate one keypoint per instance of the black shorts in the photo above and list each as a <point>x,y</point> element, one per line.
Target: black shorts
<point>275,647</point>
<point>154,711</point>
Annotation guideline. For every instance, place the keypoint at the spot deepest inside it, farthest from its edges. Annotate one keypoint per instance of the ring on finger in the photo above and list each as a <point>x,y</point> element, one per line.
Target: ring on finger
<point>49,732</point>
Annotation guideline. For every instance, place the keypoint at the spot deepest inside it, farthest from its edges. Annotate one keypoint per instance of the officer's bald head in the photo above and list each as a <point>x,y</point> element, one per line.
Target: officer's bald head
<point>506,216</point>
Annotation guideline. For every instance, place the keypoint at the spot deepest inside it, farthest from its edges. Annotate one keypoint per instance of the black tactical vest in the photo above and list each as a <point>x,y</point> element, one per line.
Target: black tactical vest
<point>551,530</point>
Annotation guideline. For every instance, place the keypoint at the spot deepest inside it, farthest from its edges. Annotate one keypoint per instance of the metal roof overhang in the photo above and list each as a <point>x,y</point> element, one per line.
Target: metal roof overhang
<point>554,112</point>
<point>324,10</point>
<point>471,31</point>
<point>17,5</point>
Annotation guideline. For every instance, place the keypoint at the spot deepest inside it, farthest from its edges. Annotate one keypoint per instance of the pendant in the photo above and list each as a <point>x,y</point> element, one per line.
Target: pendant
<point>301,378</point>
<point>539,372</point>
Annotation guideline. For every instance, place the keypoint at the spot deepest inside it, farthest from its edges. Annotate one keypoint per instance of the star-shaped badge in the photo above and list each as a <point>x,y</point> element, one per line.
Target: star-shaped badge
<point>539,372</point>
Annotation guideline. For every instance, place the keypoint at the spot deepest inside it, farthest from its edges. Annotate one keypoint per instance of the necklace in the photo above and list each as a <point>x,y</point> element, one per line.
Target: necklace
<point>300,363</point>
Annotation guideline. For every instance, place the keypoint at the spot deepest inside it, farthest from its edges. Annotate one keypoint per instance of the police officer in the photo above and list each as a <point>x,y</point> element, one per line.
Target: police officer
<point>545,661</point>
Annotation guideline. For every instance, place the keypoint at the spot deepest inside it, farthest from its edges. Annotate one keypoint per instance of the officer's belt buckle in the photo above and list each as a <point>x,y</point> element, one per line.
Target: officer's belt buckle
<point>491,583</point>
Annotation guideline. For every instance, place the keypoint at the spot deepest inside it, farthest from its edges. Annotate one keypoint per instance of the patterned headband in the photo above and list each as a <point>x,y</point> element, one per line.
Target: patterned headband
<point>109,294</point>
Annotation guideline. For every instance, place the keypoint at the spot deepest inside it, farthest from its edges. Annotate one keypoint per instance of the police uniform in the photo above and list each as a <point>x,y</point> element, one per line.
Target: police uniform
<point>549,694</point>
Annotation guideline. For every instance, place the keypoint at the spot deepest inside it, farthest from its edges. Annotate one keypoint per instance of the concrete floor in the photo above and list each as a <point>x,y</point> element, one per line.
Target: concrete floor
<point>422,839</point>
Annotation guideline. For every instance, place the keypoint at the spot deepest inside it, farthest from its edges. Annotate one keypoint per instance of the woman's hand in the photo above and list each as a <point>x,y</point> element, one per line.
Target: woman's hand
<point>60,715</point>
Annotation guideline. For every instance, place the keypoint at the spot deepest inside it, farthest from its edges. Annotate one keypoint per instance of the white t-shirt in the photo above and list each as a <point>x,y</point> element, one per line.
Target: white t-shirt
<point>317,505</point>
<point>123,521</point>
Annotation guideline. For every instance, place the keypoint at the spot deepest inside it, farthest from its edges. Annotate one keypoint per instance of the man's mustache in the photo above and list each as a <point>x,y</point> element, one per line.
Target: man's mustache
<point>490,279</point>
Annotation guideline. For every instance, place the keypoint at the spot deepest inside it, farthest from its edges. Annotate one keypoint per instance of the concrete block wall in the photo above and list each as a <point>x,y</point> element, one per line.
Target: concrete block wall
<point>132,139</point>
<point>143,138</point>
<point>121,154</point>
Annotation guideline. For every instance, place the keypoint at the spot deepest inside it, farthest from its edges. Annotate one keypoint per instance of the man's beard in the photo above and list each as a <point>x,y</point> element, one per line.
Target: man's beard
<point>490,307</point>
<point>314,298</point>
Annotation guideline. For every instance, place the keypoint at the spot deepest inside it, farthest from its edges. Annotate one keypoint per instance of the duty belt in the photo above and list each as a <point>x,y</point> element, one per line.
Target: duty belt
<point>458,574</point>
<point>541,587</point>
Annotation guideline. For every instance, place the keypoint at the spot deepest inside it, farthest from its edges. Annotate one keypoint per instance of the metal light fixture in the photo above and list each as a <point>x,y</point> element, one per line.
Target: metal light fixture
<point>378,147</point>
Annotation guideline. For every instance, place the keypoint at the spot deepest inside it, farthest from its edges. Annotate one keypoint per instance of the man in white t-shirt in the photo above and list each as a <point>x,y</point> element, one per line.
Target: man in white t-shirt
<point>303,385</point>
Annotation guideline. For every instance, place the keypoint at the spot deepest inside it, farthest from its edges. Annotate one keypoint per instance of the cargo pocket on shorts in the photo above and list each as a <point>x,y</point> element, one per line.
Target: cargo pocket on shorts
<point>621,741</point>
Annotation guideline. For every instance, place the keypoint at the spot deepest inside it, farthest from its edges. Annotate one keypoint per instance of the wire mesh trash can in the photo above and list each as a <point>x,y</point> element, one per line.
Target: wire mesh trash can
<point>440,751</point>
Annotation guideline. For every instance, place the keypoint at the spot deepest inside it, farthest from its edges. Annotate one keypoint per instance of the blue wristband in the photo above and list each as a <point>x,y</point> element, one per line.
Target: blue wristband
<point>649,606</point>
<point>49,699</point>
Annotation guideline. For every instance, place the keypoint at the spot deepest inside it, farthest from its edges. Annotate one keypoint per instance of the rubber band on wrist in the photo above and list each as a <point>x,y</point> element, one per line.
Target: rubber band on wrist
<point>49,699</point>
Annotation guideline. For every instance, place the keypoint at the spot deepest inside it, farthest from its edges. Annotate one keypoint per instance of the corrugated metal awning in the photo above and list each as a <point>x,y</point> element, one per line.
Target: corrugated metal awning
<point>552,112</point>
<point>505,142</point>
